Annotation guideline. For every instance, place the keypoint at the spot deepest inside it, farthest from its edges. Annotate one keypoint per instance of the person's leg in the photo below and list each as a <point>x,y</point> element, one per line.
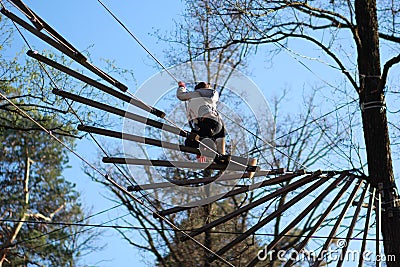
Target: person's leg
<point>220,142</point>
<point>207,129</point>
<point>219,137</point>
<point>222,157</point>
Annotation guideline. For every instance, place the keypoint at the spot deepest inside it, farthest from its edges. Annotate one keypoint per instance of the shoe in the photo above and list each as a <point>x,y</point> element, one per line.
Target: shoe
<point>201,159</point>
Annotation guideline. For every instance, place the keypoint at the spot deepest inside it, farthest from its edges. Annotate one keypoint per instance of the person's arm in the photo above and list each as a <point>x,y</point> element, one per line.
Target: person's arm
<point>215,97</point>
<point>183,94</point>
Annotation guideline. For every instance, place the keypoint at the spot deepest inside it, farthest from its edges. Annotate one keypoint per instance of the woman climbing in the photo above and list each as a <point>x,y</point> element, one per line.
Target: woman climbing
<point>203,117</point>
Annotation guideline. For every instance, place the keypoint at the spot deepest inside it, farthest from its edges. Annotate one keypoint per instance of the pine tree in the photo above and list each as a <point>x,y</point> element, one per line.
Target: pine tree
<point>34,193</point>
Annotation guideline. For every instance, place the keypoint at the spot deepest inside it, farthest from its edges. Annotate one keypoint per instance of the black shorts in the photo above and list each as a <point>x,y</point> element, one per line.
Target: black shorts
<point>211,128</point>
<point>207,128</point>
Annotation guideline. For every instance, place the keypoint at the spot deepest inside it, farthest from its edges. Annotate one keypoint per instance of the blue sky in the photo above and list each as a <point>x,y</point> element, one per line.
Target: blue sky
<point>87,26</point>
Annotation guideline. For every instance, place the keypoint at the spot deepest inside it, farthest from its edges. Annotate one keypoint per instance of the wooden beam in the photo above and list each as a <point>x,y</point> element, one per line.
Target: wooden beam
<point>96,84</point>
<point>73,54</point>
<point>272,216</point>
<point>139,139</point>
<point>318,224</point>
<point>366,227</point>
<point>301,216</point>
<point>231,166</point>
<point>41,24</point>
<point>122,113</point>
<point>337,224</point>
<point>352,225</point>
<point>38,34</point>
<point>254,204</point>
<point>272,181</point>
<point>28,13</point>
<point>205,180</point>
<point>163,144</point>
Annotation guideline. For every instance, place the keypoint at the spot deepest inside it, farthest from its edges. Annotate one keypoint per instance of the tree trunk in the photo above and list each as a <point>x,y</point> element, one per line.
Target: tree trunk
<point>374,120</point>
<point>25,205</point>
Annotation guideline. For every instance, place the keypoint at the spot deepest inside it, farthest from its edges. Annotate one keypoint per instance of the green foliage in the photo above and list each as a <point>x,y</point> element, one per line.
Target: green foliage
<point>49,196</point>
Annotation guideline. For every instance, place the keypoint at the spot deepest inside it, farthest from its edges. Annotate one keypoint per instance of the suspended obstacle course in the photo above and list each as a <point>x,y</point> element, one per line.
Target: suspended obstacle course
<point>327,186</point>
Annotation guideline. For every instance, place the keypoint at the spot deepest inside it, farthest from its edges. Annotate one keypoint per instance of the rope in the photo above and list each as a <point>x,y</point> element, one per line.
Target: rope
<point>137,40</point>
<point>168,72</point>
<point>106,176</point>
<point>133,227</point>
<point>68,103</point>
<point>65,225</point>
<point>173,77</point>
<point>264,141</point>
